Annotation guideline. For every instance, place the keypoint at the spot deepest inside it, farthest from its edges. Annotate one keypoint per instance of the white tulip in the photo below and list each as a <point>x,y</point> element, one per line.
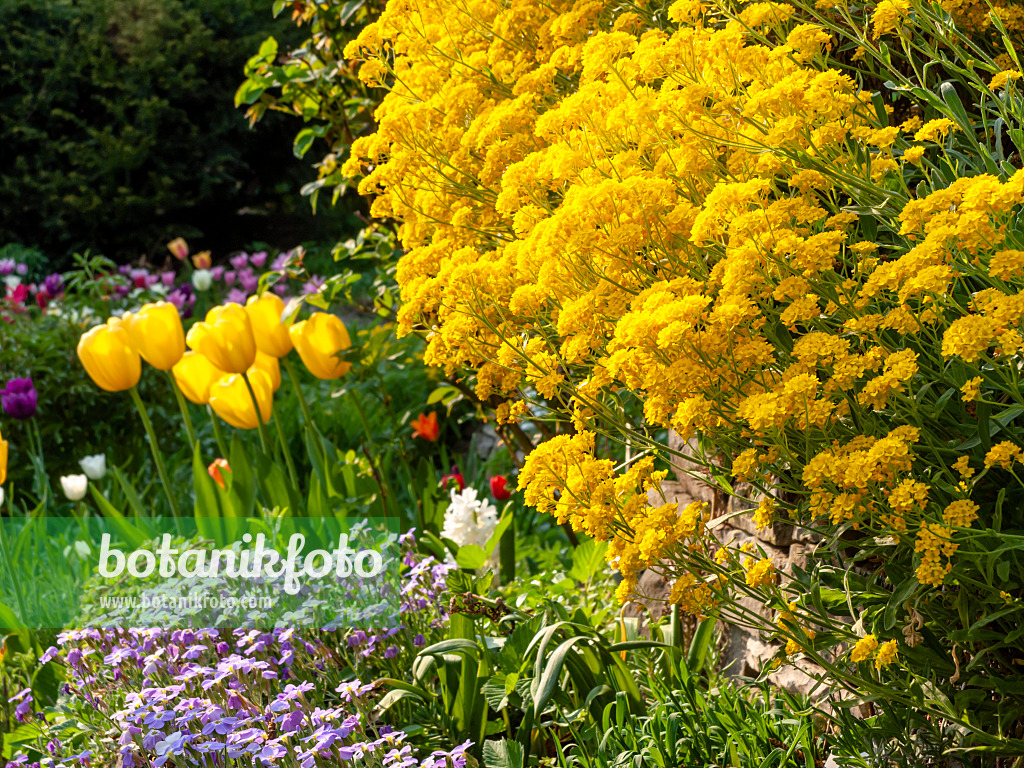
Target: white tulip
<point>95,467</point>
<point>74,486</point>
<point>1,497</point>
<point>12,281</point>
<point>82,549</point>
<point>202,279</point>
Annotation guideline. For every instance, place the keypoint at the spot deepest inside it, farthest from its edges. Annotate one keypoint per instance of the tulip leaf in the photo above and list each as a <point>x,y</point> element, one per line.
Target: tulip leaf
<point>133,534</point>
<point>207,511</point>
<point>129,492</point>
<point>242,490</point>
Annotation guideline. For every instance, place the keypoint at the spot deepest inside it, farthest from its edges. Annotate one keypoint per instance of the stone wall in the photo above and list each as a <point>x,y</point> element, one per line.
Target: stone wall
<point>742,651</point>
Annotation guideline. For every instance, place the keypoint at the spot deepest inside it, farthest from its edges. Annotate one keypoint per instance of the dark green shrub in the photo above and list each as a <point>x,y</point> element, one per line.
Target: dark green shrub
<point>119,131</point>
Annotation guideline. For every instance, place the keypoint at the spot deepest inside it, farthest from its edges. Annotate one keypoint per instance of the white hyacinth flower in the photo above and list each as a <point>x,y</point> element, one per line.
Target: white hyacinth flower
<point>74,486</point>
<point>95,467</point>
<point>469,519</point>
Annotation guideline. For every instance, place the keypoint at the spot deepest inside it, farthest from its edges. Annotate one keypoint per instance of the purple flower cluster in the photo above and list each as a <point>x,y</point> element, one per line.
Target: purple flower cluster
<point>214,698</point>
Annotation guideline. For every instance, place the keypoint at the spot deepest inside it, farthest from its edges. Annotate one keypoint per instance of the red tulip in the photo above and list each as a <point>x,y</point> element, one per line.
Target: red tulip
<point>499,489</point>
<point>455,476</point>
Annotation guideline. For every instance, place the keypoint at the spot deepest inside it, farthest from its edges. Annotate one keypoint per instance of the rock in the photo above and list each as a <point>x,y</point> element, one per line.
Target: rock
<point>800,677</point>
<point>779,533</point>
<point>688,474</point>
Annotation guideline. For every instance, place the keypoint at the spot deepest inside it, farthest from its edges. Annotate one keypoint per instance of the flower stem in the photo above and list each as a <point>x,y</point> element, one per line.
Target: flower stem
<point>287,454</point>
<point>184,413</point>
<point>298,390</point>
<point>218,434</point>
<point>155,450</point>
<point>264,440</point>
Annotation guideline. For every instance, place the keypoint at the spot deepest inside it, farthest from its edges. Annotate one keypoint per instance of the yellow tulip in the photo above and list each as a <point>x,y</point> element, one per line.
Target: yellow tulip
<point>318,340</point>
<point>156,333</point>
<point>230,399</point>
<point>195,375</point>
<point>109,358</point>
<point>271,334</point>
<point>270,366</point>
<point>3,460</point>
<point>225,338</point>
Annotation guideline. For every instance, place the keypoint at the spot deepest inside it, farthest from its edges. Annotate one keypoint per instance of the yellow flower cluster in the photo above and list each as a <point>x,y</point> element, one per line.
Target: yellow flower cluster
<point>596,207</point>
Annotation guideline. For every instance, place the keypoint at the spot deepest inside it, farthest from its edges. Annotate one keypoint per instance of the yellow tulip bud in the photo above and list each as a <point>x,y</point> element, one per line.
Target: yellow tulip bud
<point>195,375</point>
<point>318,340</point>
<point>225,338</point>
<point>271,334</point>
<point>109,358</point>
<point>230,399</point>
<point>270,366</point>
<point>3,460</point>
<point>156,333</point>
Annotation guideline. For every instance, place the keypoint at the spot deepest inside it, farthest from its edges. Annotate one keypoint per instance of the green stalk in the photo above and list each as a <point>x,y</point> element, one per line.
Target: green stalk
<point>385,483</point>
<point>264,440</point>
<point>155,450</point>
<point>287,454</point>
<point>298,389</point>
<point>14,574</point>
<point>184,412</point>
<point>218,434</point>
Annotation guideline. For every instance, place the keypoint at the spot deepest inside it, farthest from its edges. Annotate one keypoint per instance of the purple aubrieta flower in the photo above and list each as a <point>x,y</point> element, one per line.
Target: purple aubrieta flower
<point>19,399</point>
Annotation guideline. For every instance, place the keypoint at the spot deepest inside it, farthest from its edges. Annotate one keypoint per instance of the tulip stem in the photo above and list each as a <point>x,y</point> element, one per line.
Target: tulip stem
<point>264,441</point>
<point>184,414</point>
<point>155,449</point>
<point>218,434</point>
<point>287,454</point>
<point>298,390</point>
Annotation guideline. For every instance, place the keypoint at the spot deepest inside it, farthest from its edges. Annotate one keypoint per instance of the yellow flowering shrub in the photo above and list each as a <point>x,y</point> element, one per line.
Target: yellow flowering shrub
<point>741,222</point>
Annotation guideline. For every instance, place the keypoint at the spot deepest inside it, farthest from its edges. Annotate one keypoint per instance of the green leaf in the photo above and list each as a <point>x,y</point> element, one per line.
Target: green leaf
<point>545,685</point>
<point>503,754</point>
<point>471,556</point>
<point>588,560</point>
<point>133,534</point>
<point>303,141</point>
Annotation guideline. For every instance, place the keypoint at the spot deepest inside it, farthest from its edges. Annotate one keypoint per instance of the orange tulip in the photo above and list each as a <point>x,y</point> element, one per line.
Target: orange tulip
<point>202,260</point>
<point>178,248</point>
<point>214,469</point>
<point>426,427</point>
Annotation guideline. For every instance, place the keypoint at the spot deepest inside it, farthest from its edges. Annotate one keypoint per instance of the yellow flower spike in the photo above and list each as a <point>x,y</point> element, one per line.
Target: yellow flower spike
<point>270,366</point>
<point>109,358</point>
<point>271,334</point>
<point>156,333</point>
<point>230,399</point>
<point>226,338</point>
<point>318,340</point>
<point>195,375</point>
<point>3,460</point>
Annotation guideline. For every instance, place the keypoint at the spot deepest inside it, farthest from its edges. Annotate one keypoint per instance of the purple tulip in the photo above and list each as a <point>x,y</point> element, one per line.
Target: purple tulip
<point>236,296</point>
<point>241,261</point>
<point>19,399</point>
<point>248,280</point>
<point>167,278</point>
<point>229,277</point>
<point>7,267</point>
<point>217,272</point>
<point>53,285</point>
<point>258,259</point>
<point>21,269</point>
